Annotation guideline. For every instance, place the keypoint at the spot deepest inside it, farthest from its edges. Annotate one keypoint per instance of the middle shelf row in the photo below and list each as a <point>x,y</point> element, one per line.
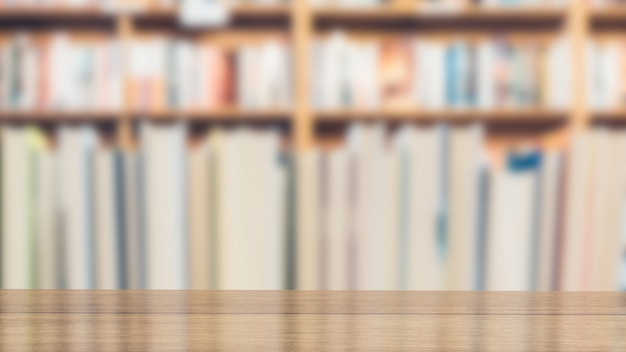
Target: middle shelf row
<point>520,116</point>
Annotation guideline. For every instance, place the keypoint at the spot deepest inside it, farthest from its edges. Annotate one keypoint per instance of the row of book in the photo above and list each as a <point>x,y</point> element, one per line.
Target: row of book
<point>446,5</point>
<point>486,74</point>
<point>431,208</point>
<point>606,65</point>
<point>84,215</point>
<point>422,207</point>
<point>180,74</point>
<point>58,73</point>
<point>117,4</point>
<point>606,3</point>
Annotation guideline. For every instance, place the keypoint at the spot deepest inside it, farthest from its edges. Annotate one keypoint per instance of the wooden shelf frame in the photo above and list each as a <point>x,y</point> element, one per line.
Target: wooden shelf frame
<point>300,21</point>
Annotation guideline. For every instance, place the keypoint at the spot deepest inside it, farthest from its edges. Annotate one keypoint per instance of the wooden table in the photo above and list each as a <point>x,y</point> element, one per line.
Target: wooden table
<point>311,320</point>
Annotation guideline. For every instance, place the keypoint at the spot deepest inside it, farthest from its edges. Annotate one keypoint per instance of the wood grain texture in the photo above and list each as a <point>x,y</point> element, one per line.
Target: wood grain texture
<point>312,321</point>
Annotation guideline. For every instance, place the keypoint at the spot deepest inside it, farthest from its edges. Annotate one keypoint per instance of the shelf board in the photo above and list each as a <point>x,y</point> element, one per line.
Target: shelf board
<point>617,115</point>
<point>532,116</point>
<point>27,16</point>
<point>94,16</point>
<point>241,15</point>
<point>608,18</point>
<point>390,17</point>
<point>221,115</point>
<point>52,116</point>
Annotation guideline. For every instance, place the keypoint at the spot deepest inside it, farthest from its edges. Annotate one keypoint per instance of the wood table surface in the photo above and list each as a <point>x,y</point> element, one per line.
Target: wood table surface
<point>311,321</point>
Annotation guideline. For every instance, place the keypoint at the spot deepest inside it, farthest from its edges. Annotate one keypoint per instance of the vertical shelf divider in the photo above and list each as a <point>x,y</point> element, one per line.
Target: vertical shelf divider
<point>124,32</point>
<point>302,33</point>
<point>578,18</point>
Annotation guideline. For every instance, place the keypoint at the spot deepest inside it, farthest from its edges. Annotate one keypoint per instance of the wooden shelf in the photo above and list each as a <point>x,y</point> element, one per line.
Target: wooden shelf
<point>52,116</point>
<point>500,116</point>
<point>617,115</point>
<point>35,16</point>
<point>608,18</point>
<point>228,114</point>
<point>241,16</point>
<point>390,18</point>
<point>93,16</point>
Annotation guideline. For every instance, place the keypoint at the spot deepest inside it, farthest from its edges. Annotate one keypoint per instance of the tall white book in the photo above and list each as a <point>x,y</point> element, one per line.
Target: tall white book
<point>424,270</point>
<point>275,200</point>
<point>335,218</point>
<point>134,248</point>
<point>616,243</point>
<point>576,213</point>
<point>76,152</point>
<point>107,241</point>
<point>47,224</point>
<point>551,172</point>
<point>391,218</point>
<point>19,145</point>
<point>366,146</point>
<point>608,195</point>
<point>308,220</point>
<point>510,230</point>
<point>466,143</point>
<point>165,205</point>
<point>200,187</point>
<point>233,263</point>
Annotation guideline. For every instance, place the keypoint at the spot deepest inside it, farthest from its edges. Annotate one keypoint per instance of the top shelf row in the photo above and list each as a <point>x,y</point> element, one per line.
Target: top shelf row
<point>279,16</point>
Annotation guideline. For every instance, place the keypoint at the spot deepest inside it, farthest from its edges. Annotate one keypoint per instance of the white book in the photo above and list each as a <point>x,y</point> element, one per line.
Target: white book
<point>165,205</point>
<point>201,218</point>
<point>17,257</point>
<point>335,215</point>
<point>616,245</point>
<point>486,75</point>
<point>366,146</point>
<point>47,224</point>
<point>423,262</point>
<point>185,73</point>
<point>331,76</point>
<point>30,74</point>
<point>428,82</point>
<point>576,211</point>
<point>392,218</point>
<point>59,80</point>
<point>217,142</point>
<point>275,196</point>
<point>134,246</point>
<point>308,221</point>
<point>461,259</point>
<point>377,233</point>
<point>607,198</point>
<point>115,94</point>
<point>510,230</point>
<point>107,246</point>
<point>550,203</point>
<point>76,151</point>
<point>612,57</point>
<point>233,251</point>
<point>560,87</point>
<point>248,77</point>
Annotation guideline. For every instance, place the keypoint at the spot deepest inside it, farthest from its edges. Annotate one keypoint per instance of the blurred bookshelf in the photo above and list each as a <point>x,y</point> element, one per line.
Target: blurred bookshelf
<point>548,111</point>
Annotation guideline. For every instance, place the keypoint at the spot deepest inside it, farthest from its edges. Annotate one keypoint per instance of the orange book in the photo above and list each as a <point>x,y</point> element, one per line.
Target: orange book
<point>396,70</point>
<point>43,96</point>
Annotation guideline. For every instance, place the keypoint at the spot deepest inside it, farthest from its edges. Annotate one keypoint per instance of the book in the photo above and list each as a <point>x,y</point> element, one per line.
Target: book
<point>76,154</point>
<point>312,251</point>
<point>107,240</point>
<point>165,205</point>
<point>201,263</point>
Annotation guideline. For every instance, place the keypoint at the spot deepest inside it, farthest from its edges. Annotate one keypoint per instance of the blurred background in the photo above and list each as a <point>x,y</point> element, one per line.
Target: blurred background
<point>313,144</point>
